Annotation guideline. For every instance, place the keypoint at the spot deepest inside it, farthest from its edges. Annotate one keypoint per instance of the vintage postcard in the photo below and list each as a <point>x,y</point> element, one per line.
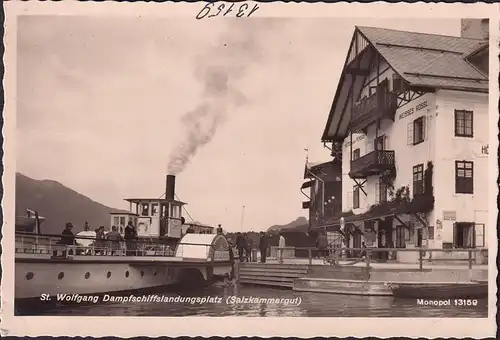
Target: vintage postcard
<point>250,169</point>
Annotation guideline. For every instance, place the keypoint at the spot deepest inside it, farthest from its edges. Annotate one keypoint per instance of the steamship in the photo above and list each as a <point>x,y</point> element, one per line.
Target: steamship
<point>162,255</point>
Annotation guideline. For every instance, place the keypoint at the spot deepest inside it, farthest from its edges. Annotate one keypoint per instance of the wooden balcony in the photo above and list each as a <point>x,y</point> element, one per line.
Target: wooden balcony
<point>381,105</point>
<point>373,163</point>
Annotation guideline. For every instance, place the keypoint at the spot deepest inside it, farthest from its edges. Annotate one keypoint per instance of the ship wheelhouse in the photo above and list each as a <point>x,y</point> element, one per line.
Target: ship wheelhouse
<point>153,217</point>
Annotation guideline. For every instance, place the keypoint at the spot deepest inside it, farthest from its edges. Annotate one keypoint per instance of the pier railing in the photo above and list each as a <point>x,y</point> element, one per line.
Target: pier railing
<point>55,246</point>
<point>367,256</point>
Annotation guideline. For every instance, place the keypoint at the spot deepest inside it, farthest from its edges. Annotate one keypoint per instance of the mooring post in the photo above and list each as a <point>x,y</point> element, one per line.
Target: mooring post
<point>420,259</point>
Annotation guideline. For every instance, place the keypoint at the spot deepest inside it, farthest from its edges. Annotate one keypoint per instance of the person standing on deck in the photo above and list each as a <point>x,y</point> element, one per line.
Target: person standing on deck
<point>281,246</point>
<point>67,238</point>
<point>114,238</point>
<point>263,245</point>
<point>130,238</point>
<point>99,242</point>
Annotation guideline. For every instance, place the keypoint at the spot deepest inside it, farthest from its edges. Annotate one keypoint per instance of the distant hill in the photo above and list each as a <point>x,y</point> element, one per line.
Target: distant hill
<point>299,222</point>
<point>59,205</point>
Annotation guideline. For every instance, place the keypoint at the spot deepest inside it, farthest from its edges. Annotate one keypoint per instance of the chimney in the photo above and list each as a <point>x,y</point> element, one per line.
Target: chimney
<point>475,28</point>
<point>170,190</point>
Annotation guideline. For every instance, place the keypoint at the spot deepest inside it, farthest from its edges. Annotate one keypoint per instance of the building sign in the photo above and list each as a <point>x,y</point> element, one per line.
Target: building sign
<point>449,215</point>
<point>484,149</point>
<point>411,111</point>
<point>354,141</point>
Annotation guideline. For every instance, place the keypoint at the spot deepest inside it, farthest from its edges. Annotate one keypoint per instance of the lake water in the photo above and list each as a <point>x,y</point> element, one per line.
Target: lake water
<point>311,305</point>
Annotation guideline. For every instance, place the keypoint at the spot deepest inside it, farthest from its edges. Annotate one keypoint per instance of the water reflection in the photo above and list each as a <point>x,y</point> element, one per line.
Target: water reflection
<point>312,305</point>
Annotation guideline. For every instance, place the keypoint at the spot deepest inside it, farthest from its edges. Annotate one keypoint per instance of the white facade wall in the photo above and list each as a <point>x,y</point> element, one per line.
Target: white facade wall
<point>466,207</point>
<point>442,148</point>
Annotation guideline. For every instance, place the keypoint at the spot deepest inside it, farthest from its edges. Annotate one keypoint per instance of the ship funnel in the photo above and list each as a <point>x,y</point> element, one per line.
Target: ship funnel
<point>170,189</point>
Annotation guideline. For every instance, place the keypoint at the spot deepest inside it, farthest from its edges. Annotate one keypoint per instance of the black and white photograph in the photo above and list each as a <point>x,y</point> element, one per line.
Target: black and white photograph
<point>251,166</point>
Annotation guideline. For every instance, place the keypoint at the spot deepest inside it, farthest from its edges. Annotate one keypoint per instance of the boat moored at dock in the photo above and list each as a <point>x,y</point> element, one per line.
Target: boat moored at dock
<point>157,256</point>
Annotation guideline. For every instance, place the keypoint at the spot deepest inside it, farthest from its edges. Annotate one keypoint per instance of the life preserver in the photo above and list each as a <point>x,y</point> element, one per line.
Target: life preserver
<point>142,225</point>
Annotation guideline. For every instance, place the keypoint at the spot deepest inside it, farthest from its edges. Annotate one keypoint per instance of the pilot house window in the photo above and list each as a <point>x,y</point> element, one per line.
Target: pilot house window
<point>145,209</point>
<point>154,209</point>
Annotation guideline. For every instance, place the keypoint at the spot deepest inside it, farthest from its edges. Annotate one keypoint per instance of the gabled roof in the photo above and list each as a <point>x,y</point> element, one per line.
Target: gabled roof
<point>313,167</point>
<point>422,60</point>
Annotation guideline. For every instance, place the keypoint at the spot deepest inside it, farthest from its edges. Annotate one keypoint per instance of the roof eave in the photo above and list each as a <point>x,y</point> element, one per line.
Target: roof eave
<point>326,137</point>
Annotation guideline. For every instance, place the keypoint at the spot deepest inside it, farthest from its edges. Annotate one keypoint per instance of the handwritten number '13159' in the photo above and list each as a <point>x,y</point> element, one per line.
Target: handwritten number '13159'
<point>211,10</point>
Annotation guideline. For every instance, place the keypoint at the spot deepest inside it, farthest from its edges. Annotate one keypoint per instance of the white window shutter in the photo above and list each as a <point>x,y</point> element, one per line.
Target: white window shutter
<point>410,133</point>
<point>349,200</point>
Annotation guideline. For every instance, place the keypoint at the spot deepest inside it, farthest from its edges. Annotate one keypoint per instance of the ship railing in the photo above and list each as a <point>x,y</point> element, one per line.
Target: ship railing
<point>45,244</point>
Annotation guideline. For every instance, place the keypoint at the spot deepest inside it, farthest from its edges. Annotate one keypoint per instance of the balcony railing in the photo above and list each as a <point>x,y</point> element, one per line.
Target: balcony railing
<point>372,163</point>
<point>381,105</point>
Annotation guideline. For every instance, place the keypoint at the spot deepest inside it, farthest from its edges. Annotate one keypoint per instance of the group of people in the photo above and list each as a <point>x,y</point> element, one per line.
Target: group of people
<point>98,238</point>
<point>244,245</point>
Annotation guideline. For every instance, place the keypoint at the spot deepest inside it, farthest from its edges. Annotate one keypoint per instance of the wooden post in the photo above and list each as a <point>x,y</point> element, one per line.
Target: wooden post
<point>310,256</point>
<point>470,258</point>
<point>237,271</point>
<point>367,256</point>
<point>420,259</point>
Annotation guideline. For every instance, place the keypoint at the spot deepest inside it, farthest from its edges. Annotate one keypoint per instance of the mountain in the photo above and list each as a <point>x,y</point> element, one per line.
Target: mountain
<point>299,222</point>
<point>59,205</point>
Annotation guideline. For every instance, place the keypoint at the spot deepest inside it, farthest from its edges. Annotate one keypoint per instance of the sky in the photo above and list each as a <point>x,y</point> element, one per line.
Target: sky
<point>108,105</point>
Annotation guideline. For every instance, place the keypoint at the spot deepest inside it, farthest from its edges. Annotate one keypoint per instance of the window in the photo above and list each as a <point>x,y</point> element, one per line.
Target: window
<point>418,130</point>
<point>122,220</point>
<point>355,154</point>
<point>463,123</point>
<point>380,143</point>
<point>463,235</point>
<point>382,191</point>
<point>418,180</point>
<point>154,209</point>
<point>479,237</point>
<point>355,198</point>
<point>464,177</point>
<point>145,209</point>
<point>400,237</point>
<point>116,220</point>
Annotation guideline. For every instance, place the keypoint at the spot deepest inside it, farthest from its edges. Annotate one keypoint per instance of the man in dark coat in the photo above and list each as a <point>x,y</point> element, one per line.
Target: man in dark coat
<point>130,238</point>
<point>67,238</point>
<point>263,245</point>
<point>241,245</point>
<point>322,244</point>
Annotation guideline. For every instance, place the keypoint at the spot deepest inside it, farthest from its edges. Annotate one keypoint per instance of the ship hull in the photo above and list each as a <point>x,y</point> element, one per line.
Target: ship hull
<point>35,279</point>
<point>36,276</point>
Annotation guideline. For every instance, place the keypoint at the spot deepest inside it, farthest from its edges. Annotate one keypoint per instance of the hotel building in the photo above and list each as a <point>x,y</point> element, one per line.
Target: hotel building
<point>410,122</point>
